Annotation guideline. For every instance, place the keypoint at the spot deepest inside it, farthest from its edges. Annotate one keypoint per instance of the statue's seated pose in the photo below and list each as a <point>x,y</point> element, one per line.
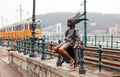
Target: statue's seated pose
<point>72,39</point>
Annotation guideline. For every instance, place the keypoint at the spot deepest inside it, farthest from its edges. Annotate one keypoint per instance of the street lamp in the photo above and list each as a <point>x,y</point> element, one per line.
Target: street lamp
<point>33,39</point>
<point>85,25</point>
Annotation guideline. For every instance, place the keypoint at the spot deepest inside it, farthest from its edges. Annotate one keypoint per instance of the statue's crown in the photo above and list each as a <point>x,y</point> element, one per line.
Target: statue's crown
<point>76,18</point>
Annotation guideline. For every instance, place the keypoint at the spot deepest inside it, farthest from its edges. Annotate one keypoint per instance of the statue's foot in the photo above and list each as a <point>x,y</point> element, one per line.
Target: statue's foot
<point>72,61</point>
<point>66,60</point>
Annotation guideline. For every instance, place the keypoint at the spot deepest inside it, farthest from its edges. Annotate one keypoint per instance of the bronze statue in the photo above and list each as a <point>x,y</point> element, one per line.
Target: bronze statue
<point>72,38</point>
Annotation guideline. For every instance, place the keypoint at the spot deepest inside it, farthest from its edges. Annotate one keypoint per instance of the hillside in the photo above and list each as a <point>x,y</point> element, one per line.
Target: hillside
<point>97,21</point>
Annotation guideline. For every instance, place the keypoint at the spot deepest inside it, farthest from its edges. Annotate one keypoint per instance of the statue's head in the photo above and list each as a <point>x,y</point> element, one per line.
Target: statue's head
<point>71,22</point>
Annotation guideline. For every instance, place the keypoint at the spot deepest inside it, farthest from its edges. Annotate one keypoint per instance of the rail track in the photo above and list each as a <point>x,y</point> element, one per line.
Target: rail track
<point>109,56</point>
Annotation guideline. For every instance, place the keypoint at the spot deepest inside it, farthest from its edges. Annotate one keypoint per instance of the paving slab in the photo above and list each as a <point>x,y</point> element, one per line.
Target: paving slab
<point>7,71</point>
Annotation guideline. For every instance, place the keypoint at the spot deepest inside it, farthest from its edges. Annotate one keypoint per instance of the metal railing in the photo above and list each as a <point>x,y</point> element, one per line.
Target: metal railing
<point>108,41</point>
<point>42,46</point>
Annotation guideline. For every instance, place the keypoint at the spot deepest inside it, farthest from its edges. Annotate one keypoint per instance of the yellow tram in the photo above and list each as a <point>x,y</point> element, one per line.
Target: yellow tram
<point>20,30</point>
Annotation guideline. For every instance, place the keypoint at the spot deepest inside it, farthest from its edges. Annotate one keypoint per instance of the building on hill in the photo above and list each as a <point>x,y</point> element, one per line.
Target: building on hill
<point>114,30</point>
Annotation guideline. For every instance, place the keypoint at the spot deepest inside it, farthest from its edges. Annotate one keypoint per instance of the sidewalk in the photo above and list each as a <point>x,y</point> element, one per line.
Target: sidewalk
<point>7,71</point>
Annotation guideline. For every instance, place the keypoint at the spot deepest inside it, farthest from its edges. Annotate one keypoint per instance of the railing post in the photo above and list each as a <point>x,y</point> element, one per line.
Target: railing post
<point>107,44</point>
<point>111,41</point>
<point>39,47</point>
<point>117,44</point>
<point>25,46</point>
<point>51,46</point>
<point>99,41</point>
<point>92,42</point>
<point>95,40</point>
<point>8,43</point>
<point>59,62</point>
<point>2,42</point>
<point>22,46</point>
<point>82,69</point>
<point>103,39</point>
<point>100,58</point>
<point>29,47</point>
<point>43,57</point>
<point>18,45</point>
<point>14,45</point>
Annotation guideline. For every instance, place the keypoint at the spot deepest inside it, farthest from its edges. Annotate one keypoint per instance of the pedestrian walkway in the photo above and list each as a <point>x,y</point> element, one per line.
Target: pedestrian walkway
<point>7,71</point>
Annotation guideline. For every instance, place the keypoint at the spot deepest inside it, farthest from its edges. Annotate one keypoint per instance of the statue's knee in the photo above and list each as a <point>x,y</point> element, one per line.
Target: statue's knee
<point>60,49</point>
<point>55,49</point>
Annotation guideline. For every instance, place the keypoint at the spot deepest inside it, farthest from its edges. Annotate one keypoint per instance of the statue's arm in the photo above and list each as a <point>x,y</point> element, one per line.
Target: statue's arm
<point>82,14</point>
<point>66,32</point>
<point>77,39</point>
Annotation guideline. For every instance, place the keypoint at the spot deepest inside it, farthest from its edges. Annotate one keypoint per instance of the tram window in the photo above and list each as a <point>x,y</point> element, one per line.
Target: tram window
<point>19,27</point>
<point>10,29</point>
<point>3,29</point>
<point>7,29</point>
<point>30,27</point>
<point>38,26</point>
<point>26,26</point>
<point>23,27</point>
<point>15,28</point>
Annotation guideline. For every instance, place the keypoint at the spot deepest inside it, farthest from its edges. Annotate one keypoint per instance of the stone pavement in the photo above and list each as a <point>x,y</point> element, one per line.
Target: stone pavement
<point>7,71</point>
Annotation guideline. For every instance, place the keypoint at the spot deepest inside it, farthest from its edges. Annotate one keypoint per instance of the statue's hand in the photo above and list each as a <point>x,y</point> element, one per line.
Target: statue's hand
<point>84,13</point>
<point>75,46</point>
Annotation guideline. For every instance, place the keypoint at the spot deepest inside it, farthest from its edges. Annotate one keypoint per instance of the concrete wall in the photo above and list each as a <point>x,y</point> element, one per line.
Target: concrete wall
<point>3,51</point>
<point>34,67</point>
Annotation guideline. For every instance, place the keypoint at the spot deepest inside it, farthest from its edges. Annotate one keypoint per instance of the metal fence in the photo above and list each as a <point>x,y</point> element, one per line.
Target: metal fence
<point>107,41</point>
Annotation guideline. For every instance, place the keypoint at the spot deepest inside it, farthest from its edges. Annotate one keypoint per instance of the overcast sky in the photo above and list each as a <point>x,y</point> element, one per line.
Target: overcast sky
<point>9,9</point>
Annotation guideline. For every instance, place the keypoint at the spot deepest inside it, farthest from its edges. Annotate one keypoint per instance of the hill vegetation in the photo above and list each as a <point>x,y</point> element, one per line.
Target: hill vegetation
<point>97,21</point>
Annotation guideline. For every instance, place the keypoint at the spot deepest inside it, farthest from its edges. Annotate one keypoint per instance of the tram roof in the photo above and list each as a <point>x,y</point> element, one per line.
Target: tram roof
<point>18,23</point>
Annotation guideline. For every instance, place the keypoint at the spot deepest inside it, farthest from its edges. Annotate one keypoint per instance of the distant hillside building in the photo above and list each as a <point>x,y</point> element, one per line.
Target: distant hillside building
<point>115,29</point>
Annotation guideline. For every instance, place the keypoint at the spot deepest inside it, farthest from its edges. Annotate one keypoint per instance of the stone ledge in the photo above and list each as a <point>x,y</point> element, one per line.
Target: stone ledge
<point>34,67</point>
